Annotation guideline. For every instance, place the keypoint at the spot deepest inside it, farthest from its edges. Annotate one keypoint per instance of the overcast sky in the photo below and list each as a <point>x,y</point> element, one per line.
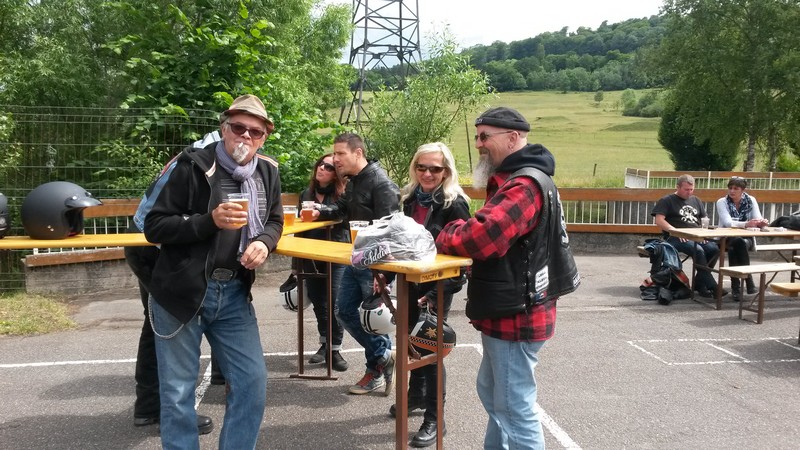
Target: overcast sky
<point>485,21</point>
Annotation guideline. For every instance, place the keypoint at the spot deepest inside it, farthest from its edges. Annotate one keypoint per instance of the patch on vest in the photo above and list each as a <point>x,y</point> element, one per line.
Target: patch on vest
<point>541,281</point>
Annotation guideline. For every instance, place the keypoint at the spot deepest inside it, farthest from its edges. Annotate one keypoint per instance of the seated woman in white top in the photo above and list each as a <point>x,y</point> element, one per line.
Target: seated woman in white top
<point>739,210</point>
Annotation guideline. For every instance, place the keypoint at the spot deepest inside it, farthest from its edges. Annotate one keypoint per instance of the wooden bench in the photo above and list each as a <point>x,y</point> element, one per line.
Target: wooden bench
<point>779,249</point>
<point>762,270</point>
<point>789,290</point>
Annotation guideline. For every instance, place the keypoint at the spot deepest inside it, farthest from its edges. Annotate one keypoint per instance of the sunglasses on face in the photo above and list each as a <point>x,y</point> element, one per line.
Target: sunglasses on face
<point>434,170</point>
<point>484,136</point>
<point>327,167</point>
<point>239,129</point>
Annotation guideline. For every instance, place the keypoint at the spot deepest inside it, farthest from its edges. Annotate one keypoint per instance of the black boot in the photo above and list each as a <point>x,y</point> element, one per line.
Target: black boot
<point>751,286</point>
<point>736,289</point>
<point>426,436</point>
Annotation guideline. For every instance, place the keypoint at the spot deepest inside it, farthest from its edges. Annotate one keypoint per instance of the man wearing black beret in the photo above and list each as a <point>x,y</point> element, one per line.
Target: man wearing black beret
<point>522,264</point>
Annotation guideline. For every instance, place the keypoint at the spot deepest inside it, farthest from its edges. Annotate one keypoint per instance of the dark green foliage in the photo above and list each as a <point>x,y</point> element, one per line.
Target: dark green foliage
<point>684,151</point>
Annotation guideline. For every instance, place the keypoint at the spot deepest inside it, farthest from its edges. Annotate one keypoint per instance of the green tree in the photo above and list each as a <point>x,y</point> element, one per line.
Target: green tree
<point>504,77</point>
<point>201,60</point>
<point>685,150</point>
<point>733,68</point>
<point>444,91</point>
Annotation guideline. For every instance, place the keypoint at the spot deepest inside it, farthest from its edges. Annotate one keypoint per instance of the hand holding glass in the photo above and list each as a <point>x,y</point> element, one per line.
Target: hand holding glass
<point>243,200</point>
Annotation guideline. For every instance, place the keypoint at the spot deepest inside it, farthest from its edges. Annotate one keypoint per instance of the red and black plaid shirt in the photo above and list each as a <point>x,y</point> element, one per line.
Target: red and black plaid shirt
<point>508,213</point>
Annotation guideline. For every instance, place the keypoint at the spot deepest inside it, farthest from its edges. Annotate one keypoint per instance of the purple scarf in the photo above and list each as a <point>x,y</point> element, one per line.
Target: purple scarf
<point>244,175</point>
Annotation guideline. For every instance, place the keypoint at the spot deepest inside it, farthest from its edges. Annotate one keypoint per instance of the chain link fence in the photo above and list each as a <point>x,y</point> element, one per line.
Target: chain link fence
<point>110,152</point>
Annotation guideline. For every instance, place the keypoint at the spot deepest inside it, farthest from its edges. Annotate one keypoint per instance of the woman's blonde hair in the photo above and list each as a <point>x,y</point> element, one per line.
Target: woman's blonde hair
<point>450,187</point>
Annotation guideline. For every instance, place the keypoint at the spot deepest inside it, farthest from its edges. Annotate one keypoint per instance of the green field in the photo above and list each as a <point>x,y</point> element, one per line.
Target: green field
<point>593,143</point>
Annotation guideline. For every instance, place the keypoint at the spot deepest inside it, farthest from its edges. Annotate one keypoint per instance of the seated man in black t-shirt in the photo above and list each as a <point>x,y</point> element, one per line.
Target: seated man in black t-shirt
<point>683,210</point>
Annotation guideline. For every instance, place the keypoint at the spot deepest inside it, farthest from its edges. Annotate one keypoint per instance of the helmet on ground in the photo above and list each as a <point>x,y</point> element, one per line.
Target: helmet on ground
<point>290,295</point>
<point>54,210</point>
<point>425,334</point>
<point>376,317</point>
<point>5,220</point>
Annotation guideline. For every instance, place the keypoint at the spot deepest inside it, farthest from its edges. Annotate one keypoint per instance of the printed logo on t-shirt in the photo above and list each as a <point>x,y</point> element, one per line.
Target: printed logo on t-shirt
<point>689,214</point>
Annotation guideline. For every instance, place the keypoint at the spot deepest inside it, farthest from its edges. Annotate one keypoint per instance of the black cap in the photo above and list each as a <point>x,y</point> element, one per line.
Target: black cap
<point>503,117</point>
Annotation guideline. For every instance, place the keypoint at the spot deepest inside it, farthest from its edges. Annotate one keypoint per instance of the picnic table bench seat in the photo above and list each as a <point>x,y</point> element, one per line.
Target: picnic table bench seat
<point>789,290</point>
<point>762,270</point>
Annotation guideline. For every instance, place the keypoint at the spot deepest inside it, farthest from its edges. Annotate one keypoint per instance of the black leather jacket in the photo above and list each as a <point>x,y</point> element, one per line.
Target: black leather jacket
<point>181,222</point>
<point>369,195</point>
<point>438,217</point>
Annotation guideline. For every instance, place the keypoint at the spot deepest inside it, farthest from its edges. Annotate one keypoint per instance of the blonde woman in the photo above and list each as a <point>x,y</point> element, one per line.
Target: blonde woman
<point>432,198</point>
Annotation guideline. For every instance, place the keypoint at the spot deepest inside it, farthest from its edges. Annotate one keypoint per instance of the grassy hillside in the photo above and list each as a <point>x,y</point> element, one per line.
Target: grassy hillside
<point>593,143</point>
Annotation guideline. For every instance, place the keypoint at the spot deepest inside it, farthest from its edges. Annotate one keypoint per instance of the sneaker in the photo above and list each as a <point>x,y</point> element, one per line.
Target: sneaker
<point>705,293</point>
<point>368,383</point>
<point>339,364</point>
<point>388,374</point>
<point>318,357</point>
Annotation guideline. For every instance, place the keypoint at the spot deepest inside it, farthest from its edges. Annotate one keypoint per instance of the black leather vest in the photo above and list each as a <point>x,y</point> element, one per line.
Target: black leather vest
<point>538,267</point>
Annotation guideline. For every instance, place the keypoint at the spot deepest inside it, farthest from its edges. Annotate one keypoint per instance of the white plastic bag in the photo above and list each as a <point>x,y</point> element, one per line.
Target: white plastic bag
<point>393,238</point>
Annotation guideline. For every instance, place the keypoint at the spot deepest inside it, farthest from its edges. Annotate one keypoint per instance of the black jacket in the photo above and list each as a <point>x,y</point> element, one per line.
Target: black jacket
<point>369,195</point>
<point>437,218</point>
<point>181,222</point>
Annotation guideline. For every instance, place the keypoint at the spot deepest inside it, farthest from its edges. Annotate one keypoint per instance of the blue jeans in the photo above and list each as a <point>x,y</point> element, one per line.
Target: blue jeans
<point>229,322</point>
<point>507,389</point>
<point>356,285</point>
<point>703,254</point>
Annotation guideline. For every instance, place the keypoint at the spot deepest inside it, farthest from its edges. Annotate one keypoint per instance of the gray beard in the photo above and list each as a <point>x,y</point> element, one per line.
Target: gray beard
<point>483,171</point>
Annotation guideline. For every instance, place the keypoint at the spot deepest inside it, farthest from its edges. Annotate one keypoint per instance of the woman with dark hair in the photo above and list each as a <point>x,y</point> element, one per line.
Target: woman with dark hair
<point>324,187</point>
<point>739,210</point>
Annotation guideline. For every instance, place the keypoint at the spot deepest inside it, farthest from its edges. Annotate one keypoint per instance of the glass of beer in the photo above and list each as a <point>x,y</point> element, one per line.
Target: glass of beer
<point>307,213</point>
<point>243,200</point>
<point>356,225</point>
<point>289,214</point>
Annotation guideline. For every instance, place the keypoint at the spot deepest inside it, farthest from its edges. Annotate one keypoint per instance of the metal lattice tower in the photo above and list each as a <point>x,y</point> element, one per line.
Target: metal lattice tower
<point>385,36</point>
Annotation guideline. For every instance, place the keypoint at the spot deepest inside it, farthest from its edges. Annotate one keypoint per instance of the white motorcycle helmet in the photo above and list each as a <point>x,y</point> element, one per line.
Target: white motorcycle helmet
<point>290,295</point>
<point>376,318</point>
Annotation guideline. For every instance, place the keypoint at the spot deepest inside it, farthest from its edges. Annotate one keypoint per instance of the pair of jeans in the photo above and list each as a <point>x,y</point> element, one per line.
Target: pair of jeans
<point>317,290</point>
<point>355,287</point>
<point>507,389</point>
<point>703,254</point>
<point>228,320</point>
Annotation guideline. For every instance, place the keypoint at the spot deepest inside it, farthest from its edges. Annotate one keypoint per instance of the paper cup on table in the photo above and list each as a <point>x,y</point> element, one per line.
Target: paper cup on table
<point>243,200</point>
<point>356,225</point>
<point>289,214</point>
<point>307,213</point>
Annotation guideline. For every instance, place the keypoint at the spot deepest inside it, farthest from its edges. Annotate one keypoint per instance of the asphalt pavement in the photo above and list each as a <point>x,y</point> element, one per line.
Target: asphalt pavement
<point>620,373</point>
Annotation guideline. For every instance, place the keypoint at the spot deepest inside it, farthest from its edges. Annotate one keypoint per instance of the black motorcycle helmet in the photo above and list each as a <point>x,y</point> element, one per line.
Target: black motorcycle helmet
<point>54,210</point>
<point>5,219</point>
<point>425,334</point>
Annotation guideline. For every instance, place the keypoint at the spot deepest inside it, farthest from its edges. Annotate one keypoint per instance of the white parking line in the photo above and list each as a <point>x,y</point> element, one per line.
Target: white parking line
<point>713,344</point>
<point>547,422</point>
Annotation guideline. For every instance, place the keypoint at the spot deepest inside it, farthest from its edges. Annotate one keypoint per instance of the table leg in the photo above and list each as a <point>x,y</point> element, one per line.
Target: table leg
<point>300,333</point>
<point>439,363</point>
<point>723,244</point>
<point>401,364</point>
<point>762,286</point>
